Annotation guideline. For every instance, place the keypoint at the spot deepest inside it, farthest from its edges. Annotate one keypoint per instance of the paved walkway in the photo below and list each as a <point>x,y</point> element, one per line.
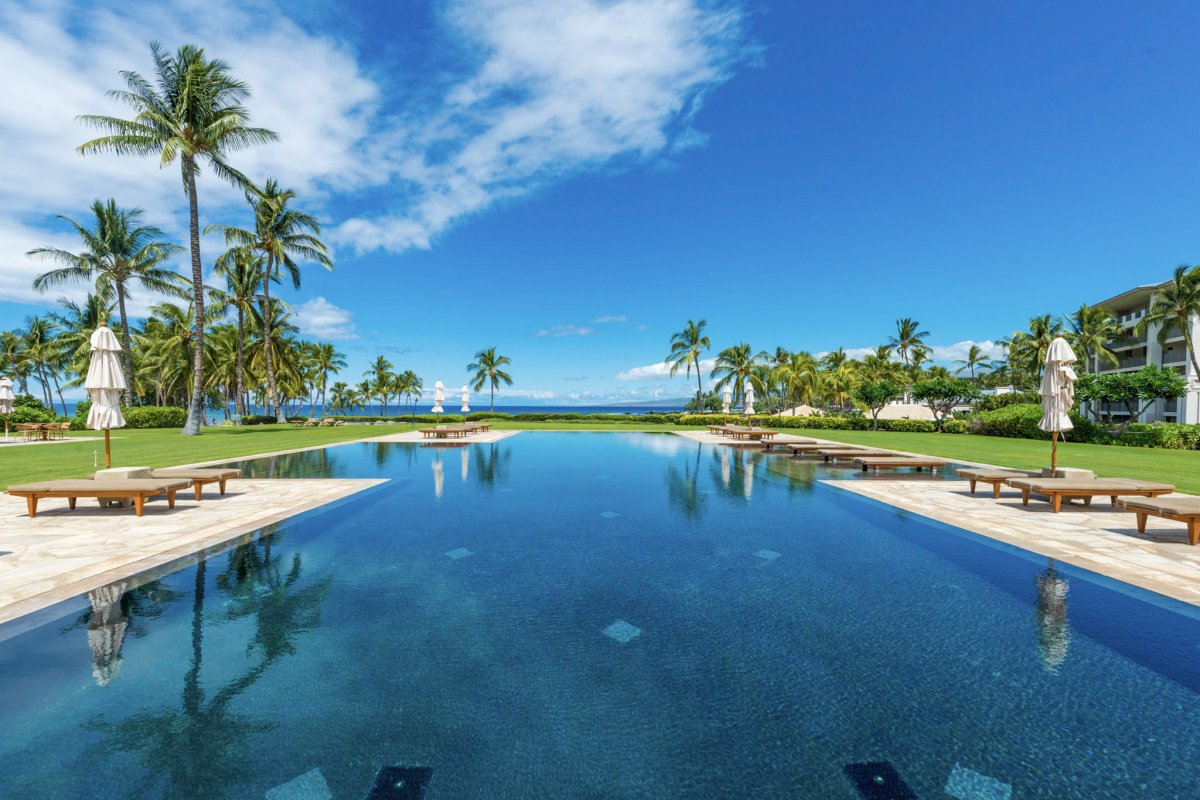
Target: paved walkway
<point>62,553</point>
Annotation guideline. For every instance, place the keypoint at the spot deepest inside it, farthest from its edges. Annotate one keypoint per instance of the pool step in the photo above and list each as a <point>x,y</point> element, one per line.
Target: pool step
<point>401,783</point>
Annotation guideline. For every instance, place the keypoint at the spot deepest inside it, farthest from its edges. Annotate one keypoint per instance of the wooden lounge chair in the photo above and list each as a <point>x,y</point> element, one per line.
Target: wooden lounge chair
<point>786,443</point>
<point>899,462</point>
<point>1184,509</point>
<point>996,477</point>
<point>839,453</point>
<point>200,477</point>
<point>139,490</point>
<point>442,433</point>
<point>1057,489</point>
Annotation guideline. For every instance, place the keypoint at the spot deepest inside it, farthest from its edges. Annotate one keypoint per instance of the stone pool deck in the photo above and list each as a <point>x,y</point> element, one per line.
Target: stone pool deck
<point>62,553</point>
<point>1097,538</point>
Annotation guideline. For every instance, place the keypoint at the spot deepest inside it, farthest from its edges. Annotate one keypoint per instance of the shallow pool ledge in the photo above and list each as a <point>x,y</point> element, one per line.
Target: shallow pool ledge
<point>62,553</point>
<point>1097,538</point>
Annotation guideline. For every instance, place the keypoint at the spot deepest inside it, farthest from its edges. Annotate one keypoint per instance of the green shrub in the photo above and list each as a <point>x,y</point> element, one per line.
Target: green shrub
<point>154,417</point>
<point>22,414</point>
<point>29,401</point>
<point>1168,435</point>
<point>1021,422</point>
<point>991,402</point>
<point>955,426</point>
<point>907,425</point>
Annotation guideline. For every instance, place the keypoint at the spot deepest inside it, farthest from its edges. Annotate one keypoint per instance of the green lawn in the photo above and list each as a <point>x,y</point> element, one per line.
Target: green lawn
<point>164,448</point>
<point>1180,467</point>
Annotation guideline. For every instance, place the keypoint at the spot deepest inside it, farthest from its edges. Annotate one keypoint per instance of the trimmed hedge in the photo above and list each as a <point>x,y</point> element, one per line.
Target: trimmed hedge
<point>1021,422</point>
<point>956,426</point>
<point>1168,435</point>
<point>154,417</point>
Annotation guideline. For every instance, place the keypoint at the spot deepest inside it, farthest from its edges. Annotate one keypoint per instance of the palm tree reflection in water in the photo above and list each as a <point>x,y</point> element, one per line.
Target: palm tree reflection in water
<point>683,487</point>
<point>199,750</point>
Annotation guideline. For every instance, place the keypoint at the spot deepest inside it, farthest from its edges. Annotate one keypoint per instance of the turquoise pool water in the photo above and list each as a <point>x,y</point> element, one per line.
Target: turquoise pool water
<point>602,616</point>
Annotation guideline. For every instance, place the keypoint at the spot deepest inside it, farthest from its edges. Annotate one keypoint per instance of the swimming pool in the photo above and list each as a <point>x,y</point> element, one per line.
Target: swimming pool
<point>585,615</point>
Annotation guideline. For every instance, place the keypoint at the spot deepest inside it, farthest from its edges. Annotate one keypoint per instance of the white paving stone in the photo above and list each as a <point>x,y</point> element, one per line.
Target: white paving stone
<point>459,552</point>
<point>309,786</point>
<point>609,514</point>
<point>768,555</point>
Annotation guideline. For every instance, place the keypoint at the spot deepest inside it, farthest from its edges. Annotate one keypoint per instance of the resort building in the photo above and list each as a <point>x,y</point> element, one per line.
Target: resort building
<point>1134,352</point>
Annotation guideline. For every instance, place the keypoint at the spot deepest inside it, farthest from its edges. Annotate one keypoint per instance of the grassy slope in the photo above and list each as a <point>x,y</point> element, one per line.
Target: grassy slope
<point>1180,467</point>
<point>166,447</point>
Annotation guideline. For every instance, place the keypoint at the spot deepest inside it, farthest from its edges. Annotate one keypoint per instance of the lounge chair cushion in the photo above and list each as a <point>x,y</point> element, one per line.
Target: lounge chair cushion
<point>84,487</point>
<point>998,474</point>
<point>1096,485</point>
<point>1181,506</point>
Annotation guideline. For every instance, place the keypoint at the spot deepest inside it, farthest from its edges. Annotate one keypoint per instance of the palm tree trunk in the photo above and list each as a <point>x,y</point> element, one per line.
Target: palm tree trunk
<point>127,355</point>
<point>195,408</point>
<point>57,388</point>
<point>493,405</point>
<point>272,394</point>
<point>240,400</point>
<point>699,390</point>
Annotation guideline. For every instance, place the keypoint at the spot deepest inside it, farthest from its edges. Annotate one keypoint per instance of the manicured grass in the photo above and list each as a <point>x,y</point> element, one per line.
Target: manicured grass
<point>1180,467</point>
<point>166,447</point>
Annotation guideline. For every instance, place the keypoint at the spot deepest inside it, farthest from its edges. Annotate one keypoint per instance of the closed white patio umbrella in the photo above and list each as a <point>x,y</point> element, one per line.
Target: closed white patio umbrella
<point>106,632</point>
<point>6,401</point>
<point>726,399</point>
<point>105,383</point>
<point>439,475</point>
<point>439,395</point>
<point>748,402</point>
<point>1058,394</point>
<point>466,402</point>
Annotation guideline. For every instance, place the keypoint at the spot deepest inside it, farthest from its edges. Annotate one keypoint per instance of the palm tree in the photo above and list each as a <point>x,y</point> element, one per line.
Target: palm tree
<point>40,350</point>
<point>380,376</point>
<point>364,392</point>
<point>798,377</point>
<point>487,370</point>
<point>342,398</point>
<point>192,112</point>
<point>243,278</point>
<point>975,358</point>
<point>1172,307</point>
<point>13,362</point>
<point>909,339</point>
<point>686,348</point>
<point>326,361</point>
<point>118,252</point>
<point>736,365</point>
<point>1027,349</point>
<point>280,235</point>
<point>1091,330</point>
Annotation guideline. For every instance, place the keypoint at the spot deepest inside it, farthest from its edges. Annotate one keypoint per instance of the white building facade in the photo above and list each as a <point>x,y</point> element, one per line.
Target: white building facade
<point>1135,352</point>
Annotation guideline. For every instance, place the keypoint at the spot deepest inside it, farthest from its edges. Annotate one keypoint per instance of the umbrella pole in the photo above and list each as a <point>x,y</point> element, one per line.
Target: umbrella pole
<point>107,451</point>
<point>1054,454</point>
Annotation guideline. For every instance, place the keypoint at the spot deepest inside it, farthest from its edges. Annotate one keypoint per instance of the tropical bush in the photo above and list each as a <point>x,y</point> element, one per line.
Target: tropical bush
<point>1021,422</point>
<point>991,402</point>
<point>1168,435</point>
<point>154,417</point>
<point>956,426</point>
<point>30,413</point>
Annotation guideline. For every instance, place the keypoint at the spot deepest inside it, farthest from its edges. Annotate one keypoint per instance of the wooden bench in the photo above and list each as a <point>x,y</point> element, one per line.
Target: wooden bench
<point>1180,509</point>
<point>839,453</point>
<point>899,462</point>
<point>139,490</point>
<point>788,444</point>
<point>443,433</point>
<point>1058,489</point>
<point>200,477</point>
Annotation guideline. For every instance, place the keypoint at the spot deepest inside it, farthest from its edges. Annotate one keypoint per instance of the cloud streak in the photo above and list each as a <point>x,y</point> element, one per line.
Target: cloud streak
<point>558,87</point>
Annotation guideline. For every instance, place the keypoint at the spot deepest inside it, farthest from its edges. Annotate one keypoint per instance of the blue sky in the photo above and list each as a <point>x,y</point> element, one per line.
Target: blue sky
<point>593,173</point>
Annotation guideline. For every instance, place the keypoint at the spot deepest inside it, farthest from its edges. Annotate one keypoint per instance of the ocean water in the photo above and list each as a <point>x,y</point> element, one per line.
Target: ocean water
<point>575,615</point>
<point>451,405</point>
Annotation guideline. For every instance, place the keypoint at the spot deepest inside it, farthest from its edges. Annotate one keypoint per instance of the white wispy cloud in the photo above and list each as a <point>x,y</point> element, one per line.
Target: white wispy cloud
<point>557,87</point>
<point>309,88</point>
<point>662,370</point>
<point>321,319</point>
<point>566,330</point>
<point>611,319</point>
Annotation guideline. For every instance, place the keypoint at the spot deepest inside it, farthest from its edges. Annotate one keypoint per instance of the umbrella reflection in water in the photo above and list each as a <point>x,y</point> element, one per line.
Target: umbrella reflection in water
<point>1053,631</point>
<point>106,632</point>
